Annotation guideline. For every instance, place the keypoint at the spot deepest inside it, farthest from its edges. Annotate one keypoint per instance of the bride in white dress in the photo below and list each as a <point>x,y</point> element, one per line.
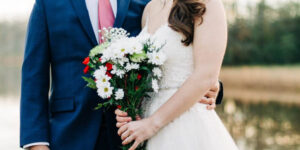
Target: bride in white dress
<point>195,46</point>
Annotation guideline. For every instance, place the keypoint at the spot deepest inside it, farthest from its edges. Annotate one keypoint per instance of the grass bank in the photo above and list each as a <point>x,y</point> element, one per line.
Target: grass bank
<point>262,83</point>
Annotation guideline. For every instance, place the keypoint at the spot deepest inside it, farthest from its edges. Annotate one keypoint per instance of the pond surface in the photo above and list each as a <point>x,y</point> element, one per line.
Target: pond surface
<point>269,126</point>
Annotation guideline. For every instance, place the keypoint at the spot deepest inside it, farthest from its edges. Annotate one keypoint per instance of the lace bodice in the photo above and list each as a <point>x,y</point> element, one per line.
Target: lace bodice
<point>179,64</point>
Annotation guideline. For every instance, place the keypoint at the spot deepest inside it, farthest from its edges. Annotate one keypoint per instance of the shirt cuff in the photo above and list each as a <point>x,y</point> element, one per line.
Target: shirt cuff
<point>35,144</point>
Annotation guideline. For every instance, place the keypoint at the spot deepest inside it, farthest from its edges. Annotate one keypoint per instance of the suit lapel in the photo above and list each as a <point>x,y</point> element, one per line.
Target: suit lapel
<point>82,13</point>
<point>122,8</point>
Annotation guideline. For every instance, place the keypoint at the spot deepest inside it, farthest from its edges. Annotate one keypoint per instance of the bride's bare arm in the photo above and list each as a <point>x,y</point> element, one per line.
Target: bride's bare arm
<point>210,39</point>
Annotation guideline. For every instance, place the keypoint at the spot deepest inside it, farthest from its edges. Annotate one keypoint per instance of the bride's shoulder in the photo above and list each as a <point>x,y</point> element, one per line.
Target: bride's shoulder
<point>152,3</point>
<point>146,11</point>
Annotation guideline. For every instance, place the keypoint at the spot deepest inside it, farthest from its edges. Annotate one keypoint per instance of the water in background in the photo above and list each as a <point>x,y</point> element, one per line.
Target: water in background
<point>262,126</point>
<point>269,126</point>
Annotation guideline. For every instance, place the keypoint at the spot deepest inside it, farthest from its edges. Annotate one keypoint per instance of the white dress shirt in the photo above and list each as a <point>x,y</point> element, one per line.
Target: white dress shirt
<point>93,13</point>
<point>92,7</point>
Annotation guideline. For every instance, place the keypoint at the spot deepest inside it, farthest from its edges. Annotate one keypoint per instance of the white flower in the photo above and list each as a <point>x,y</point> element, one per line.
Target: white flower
<point>112,34</point>
<point>154,44</point>
<point>119,94</point>
<point>102,81</point>
<point>107,55</point>
<point>100,72</point>
<point>120,48</point>
<point>134,46</point>
<point>132,66</point>
<point>157,58</point>
<point>155,85</point>
<point>157,72</point>
<point>118,72</point>
<point>122,61</point>
<point>105,91</point>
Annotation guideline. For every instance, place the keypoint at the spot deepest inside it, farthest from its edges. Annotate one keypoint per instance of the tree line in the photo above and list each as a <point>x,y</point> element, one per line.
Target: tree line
<point>265,35</point>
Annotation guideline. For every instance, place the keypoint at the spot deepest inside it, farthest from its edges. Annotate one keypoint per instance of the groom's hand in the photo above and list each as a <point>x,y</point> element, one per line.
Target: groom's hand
<point>122,118</point>
<point>211,96</point>
<point>39,147</point>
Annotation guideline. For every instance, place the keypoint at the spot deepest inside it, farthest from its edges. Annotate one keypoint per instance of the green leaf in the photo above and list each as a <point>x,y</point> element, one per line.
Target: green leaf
<point>148,69</point>
<point>100,105</point>
<point>90,82</point>
<point>138,57</point>
<point>133,77</point>
<point>98,49</point>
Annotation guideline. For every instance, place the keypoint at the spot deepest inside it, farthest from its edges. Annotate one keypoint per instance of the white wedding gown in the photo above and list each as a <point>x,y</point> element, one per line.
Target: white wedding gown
<point>196,129</point>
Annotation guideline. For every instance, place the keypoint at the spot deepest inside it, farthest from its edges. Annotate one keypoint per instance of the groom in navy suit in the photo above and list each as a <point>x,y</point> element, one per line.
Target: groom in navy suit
<point>56,108</point>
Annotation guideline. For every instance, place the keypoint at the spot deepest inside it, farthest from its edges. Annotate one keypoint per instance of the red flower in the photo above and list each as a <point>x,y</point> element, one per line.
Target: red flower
<point>100,59</point>
<point>86,60</point>
<point>86,69</point>
<point>137,87</point>
<point>119,106</point>
<point>108,66</point>
<point>108,74</point>
<point>139,77</point>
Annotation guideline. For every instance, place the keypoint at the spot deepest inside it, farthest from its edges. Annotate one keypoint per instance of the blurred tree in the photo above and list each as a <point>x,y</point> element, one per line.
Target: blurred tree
<point>268,36</point>
<point>12,37</point>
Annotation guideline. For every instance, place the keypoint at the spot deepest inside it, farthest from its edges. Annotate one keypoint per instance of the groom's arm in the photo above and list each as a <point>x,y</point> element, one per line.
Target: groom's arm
<point>35,81</point>
<point>220,94</point>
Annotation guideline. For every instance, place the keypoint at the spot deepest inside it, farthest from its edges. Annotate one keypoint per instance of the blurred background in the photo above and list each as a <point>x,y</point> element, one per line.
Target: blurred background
<point>261,72</point>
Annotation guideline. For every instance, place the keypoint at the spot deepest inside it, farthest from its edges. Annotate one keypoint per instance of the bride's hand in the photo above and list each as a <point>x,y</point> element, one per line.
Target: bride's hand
<point>137,131</point>
<point>122,118</point>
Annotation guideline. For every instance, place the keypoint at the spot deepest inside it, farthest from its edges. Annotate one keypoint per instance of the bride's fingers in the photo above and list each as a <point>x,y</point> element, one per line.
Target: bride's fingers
<point>211,107</point>
<point>203,100</point>
<point>135,145</point>
<point>209,101</point>
<point>122,129</point>
<point>128,140</point>
<point>123,119</point>
<point>120,124</point>
<point>125,135</point>
<point>121,113</point>
<point>211,94</point>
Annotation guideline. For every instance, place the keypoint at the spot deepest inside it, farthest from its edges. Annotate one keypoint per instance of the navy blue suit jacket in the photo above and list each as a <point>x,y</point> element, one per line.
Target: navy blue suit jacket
<point>56,107</point>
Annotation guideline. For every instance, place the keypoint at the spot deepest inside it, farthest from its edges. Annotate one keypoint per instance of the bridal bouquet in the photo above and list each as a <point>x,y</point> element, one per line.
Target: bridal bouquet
<point>124,69</point>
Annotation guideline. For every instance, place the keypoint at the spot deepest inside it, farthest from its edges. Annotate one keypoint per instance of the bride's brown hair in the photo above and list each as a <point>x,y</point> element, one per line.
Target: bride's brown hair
<point>182,18</point>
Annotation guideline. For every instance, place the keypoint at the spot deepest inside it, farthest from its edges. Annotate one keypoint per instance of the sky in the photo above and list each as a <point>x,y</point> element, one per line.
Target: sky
<point>12,10</point>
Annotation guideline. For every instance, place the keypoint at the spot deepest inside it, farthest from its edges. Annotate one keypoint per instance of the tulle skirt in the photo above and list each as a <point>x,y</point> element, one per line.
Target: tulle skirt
<point>196,129</point>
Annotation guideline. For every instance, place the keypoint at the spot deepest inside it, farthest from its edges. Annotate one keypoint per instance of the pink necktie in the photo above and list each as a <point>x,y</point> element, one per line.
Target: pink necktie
<point>105,15</point>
